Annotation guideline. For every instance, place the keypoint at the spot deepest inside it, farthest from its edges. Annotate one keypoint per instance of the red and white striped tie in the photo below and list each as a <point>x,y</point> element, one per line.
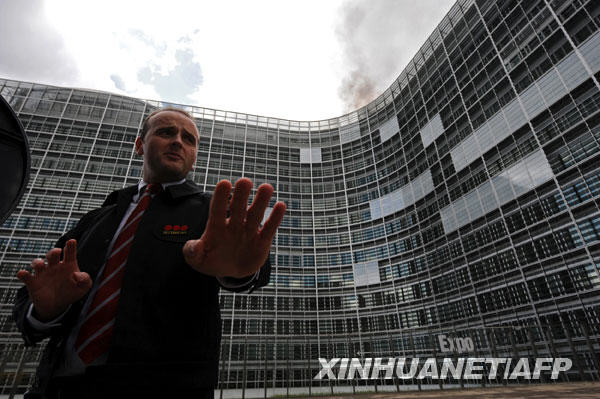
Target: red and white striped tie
<point>95,332</point>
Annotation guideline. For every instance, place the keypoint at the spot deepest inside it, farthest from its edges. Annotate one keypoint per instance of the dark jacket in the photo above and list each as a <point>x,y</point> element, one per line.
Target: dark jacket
<point>168,325</point>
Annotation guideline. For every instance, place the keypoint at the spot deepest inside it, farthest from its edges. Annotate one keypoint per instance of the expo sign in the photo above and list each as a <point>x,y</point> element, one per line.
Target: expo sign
<point>457,344</point>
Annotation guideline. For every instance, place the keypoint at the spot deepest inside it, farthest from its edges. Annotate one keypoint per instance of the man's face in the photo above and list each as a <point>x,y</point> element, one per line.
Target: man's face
<point>169,147</point>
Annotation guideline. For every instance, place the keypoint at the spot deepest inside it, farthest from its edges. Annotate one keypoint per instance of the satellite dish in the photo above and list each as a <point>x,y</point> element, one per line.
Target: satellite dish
<point>14,160</point>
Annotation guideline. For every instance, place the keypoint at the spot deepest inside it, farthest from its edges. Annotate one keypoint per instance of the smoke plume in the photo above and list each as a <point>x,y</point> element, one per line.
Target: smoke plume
<point>378,38</point>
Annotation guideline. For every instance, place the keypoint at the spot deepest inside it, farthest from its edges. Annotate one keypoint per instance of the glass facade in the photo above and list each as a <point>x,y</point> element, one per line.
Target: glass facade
<point>464,201</point>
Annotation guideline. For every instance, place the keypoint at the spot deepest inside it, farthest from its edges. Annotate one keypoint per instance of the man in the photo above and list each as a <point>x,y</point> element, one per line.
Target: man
<point>131,308</point>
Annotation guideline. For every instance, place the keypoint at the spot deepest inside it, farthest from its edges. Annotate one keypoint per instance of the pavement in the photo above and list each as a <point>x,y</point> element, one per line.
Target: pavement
<point>574,390</point>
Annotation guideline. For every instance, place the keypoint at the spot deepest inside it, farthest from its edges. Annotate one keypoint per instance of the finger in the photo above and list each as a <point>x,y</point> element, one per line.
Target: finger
<point>257,210</point>
<point>239,202</point>
<point>70,254</point>
<point>218,205</point>
<point>270,228</point>
<point>38,265</point>
<point>53,256</point>
<point>24,276</point>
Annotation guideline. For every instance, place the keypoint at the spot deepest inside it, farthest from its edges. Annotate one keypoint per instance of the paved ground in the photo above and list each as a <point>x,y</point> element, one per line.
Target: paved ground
<point>575,390</point>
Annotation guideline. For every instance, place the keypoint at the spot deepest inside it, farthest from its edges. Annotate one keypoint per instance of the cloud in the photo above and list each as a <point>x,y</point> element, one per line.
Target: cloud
<point>30,48</point>
<point>146,39</point>
<point>180,82</point>
<point>378,38</point>
<point>118,81</point>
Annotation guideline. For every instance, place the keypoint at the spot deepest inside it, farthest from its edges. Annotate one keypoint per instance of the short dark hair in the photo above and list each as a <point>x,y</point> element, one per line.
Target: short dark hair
<point>146,124</point>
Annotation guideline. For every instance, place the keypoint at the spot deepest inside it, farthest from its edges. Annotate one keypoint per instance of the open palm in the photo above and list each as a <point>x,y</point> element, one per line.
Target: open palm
<point>235,246</point>
<point>56,284</point>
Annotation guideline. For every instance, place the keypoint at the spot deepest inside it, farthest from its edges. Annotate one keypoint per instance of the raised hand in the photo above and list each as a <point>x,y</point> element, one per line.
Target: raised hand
<point>57,284</point>
<point>236,246</point>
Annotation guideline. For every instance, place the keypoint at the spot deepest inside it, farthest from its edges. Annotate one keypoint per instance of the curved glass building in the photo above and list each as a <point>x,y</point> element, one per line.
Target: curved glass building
<point>464,201</point>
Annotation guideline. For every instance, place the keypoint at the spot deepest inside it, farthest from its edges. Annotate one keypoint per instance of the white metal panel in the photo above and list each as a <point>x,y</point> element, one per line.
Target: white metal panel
<point>590,50</point>
<point>473,205</point>
<point>315,155</point>
<point>310,155</point>
<point>532,100</point>
<point>488,199</point>
<point>426,135</point>
<point>539,168</point>
<point>402,197</point>
<point>523,176</point>
<point>498,128</point>
<point>471,149</point>
<point>387,205</point>
<point>304,155</point>
<point>458,157</point>
<point>388,129</point>
<point>375,208</point>
<point>366,273</point>
<point>460,209</point>
<point>572,71</point>
<point>484,136</point>
<point>448,219</point>
<point>514,116</point>
<point>417,189</point>
<point>407,195</point>
<point>397,200</point>
<point>503,187</point>
<point>519,178</point>
<point>360,274</point>
<point>349,133</point>
<point>432,130</point>
<point>546,91</point>
<point>427,182</point>
<point>551,87</point>
<point>372,269</point>
<point>437,127</point>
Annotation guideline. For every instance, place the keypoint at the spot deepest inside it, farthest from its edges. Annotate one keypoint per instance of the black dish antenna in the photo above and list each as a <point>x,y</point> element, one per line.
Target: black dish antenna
<point>15,160</point>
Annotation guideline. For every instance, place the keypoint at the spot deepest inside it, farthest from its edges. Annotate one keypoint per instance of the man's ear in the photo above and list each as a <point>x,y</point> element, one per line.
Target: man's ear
<point>139,146</point>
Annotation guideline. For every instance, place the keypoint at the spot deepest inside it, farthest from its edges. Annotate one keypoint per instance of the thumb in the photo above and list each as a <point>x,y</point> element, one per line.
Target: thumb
<point>193,252</point>
<point>82,279</point>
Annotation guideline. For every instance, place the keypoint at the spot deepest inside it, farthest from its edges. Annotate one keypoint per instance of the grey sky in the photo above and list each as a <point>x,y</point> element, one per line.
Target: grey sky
<point>30,48</point>
<point>304,62</point>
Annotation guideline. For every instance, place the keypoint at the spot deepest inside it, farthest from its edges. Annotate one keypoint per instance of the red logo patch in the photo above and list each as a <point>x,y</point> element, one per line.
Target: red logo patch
<point>175,229</point>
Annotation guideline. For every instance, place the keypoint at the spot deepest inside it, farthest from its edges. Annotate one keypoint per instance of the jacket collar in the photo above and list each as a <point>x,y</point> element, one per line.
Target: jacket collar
<point>182,190</point>
<point>175,191</point>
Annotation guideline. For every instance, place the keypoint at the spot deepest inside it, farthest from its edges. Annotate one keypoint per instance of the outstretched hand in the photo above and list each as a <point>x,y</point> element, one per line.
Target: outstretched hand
<point>235,246</point>
<point>57,284</point>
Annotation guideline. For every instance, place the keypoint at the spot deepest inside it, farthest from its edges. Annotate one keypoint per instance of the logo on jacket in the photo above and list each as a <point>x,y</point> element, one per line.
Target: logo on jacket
<point>174,229</point>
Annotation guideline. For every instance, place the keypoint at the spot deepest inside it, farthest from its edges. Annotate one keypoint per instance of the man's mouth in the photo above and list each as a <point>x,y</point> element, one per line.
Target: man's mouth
<point>173,155</point>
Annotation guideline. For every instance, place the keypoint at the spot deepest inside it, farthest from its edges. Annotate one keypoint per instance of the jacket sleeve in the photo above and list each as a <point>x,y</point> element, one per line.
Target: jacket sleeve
<point>23,302</point>
<point>250,283</point>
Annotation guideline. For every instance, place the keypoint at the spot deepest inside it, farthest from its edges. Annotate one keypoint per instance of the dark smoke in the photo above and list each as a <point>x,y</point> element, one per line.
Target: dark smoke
<point>378,38</point>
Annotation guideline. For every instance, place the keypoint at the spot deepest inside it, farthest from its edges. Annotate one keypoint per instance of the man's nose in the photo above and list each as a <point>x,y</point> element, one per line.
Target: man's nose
<point>177,139</point>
